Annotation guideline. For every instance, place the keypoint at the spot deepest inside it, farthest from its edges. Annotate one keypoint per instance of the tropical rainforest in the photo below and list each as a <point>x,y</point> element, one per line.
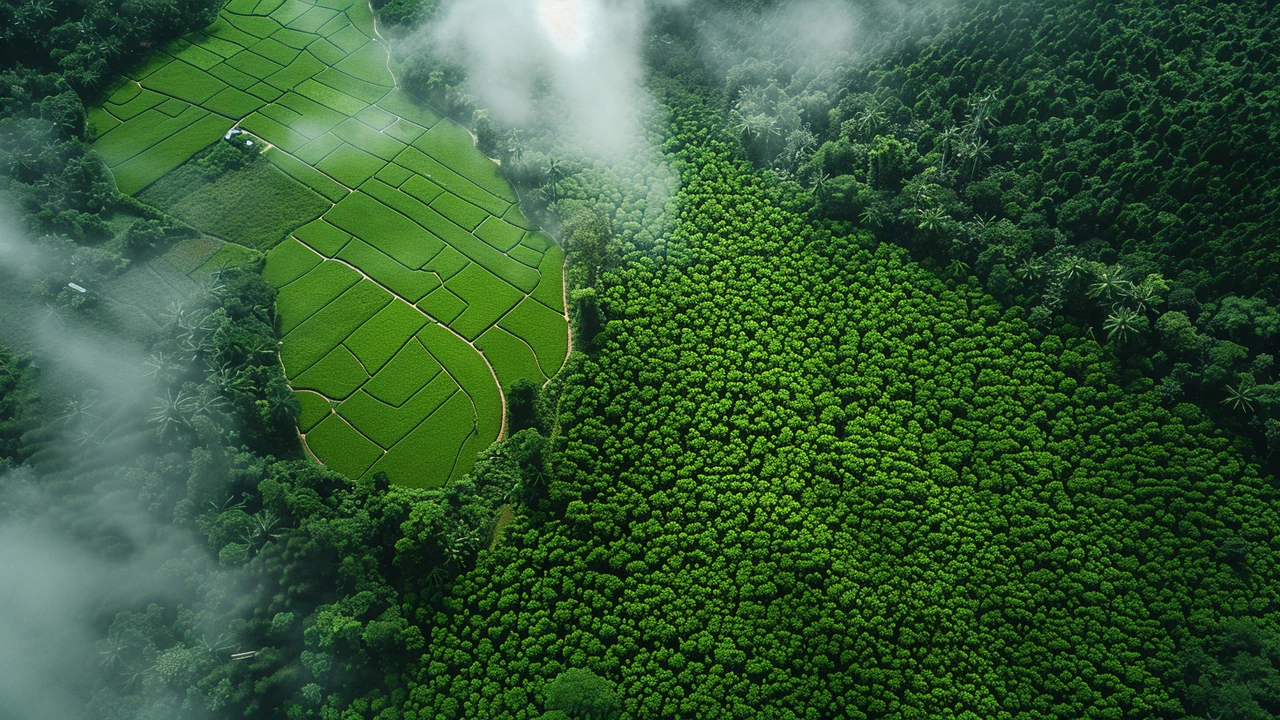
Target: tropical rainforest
<point>922,366</point>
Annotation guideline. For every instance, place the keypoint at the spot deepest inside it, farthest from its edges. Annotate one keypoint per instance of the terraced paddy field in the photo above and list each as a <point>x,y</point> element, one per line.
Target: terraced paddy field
<point>419,291</point>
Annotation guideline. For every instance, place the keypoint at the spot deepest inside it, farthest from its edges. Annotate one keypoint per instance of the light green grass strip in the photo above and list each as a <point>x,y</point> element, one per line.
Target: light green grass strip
<point>326,329</point>
<point>369,140</point>
<point>460,212</point>
<point>385,229</point>
<point>185,82</point>
<point>350,165</point>
<point>309,293</point>
<point>198,56</point>
<point>143,169</point>
<point>341,448</point>
<point>412,285</point>
<point>368,64</point>
<point>314,409</point>
<point>289,261</point>
<point>378,340</point>
<point>407,373</point>
<point>273,132</point>
<point>526,256</point>
<point>274,51</point>
<point>426,457</point>
<point>550,290</point>
<point>322,237</point>
<point>544,329</point>
<point>141,102</point>
<point>471,372</point>
<point>215,45</point>
<point>302,67</point>
<point>487,298</point>
<point>254,65</point>
<point>429,167</point>
<point>312,20</point>
<point>233,103</point>
<point>316,150</point>
<point>366,92</point>
<point>335,376</point>
<point>510,357</point>
<point>442,305</point>
<point>307,175</point>
<point>387,425</point>
<point>401,103</point>
<point>330,98</point>
<point>502,236</point>
<point>451,144</point>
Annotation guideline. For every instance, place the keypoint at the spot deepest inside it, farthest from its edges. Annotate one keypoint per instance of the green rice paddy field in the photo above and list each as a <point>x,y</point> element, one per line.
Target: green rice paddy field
<point>419,292</point>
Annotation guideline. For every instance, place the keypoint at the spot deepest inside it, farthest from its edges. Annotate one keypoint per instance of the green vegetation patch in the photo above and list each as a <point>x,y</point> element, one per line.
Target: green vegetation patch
<point>341,448</point>
<point>488,298</point>
<point>430,455</point>
<point>289,10</point>
<point>322,237</point>
<point>225,31</point>
<point>407,373</point>
<point>293,38</point>
<point>274,132</point>
<point>348,39</point>
<point>459,211</point>
<point>510,357</point>
<point>421,189</point>
<point>256,205</point>
<point>228,256</point>
<point>316,150</point>
<point>142,134</point>
<point>282,115</point>
<point>350,165</point>
<point>451,144</point>
<point>499,234</point>
<point>265,91</point>
<point>366,92</point>
<point>404,131</point>
<point>546,331</point>
<point>233,103</point>
<point>402,104</point>
<point>215,45</point>
<point>368,64</point>
<point>411,285</point>
<point>289,261</point>
<point>516,217</point>
<point>385,229</point>
<point>378,340</point>
<point>258,27</point>
<point>326,186</point>
<point>324,330</point>
<point>335,376</point>
<point>416,161</point>
<point>550,290</point>
<point>387,425</point>
<point>143,169</point>
<point>254,65</point>
<point>316,118</point>
<point>393,175</point>
<point>443,305</point>
<point>376,118</point>
<point>99,122</point>
<point>275,51</point>
<point>302,67</point>
<point>314,409</point>
<point>185,82</point>
<point>366,138</point>
<point>312,20</point>
<point>325,51</point>
<point>173,107</point>
<point>143,101</point>
<point>469,369</point>
<point>308,294</point>
<point>189,254</point>
<point>448,263</point>
<point>196,56</point>
<point>526,256</point>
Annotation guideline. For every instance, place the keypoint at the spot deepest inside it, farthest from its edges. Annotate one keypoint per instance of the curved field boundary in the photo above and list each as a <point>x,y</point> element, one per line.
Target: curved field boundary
<point>422,242</point>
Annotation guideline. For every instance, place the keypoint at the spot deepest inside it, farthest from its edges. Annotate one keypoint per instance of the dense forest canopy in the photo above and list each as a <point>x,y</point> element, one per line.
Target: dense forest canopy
<point>928,376</point>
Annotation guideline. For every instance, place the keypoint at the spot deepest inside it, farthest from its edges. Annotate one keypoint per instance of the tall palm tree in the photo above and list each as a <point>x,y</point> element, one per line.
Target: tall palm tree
<point>1111,283</point>
<point>1122,323</point>
<point>554,172</point>
<point>1243,395</point>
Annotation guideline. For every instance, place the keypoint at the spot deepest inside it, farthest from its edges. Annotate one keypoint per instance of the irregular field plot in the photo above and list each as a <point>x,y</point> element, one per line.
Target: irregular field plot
<point>404,268</point>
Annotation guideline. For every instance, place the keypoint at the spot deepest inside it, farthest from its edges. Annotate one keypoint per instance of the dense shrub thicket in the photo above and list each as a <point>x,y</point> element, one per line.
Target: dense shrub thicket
<point>1098,164</point>
<point>801,477</point>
